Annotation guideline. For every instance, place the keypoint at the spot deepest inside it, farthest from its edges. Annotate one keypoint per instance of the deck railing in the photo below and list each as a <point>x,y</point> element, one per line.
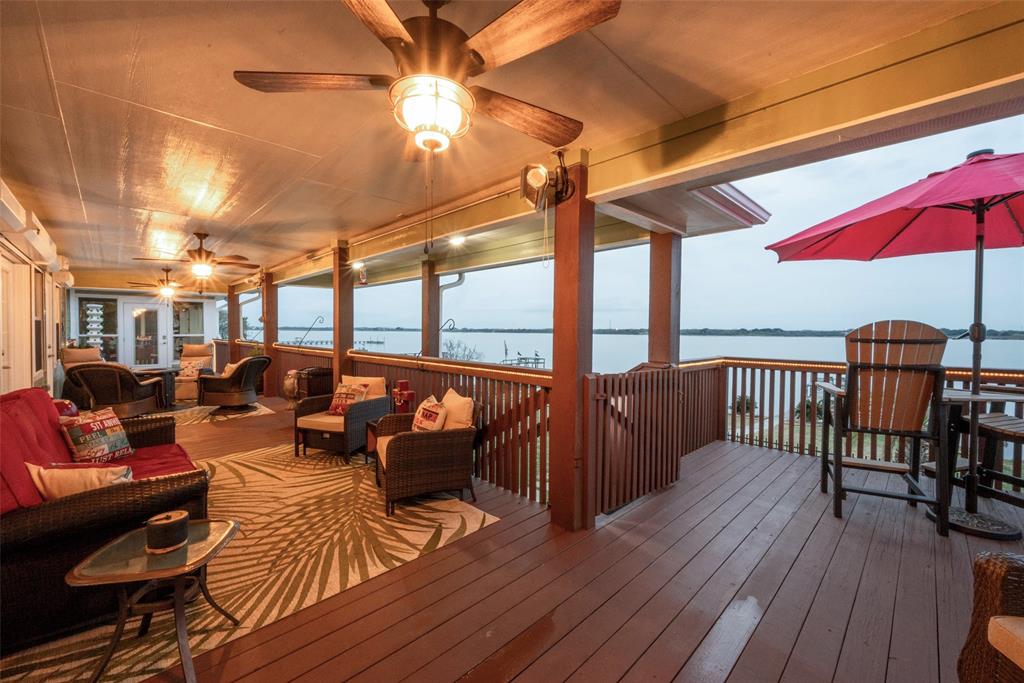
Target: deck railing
<point>774,404</point>
<point>514,452</point>
<point>640,422</point>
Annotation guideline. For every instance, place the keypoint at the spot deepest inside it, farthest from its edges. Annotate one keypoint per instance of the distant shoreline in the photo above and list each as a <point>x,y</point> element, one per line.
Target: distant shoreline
<point>698,332</point>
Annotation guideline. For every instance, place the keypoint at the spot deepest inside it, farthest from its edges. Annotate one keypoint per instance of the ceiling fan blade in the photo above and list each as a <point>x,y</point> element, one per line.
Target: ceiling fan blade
<point>147,258</point>
<point>232,264</point>
<point>546,126</point>
<point>232,257</point>
<point>287,81</point>
<point>532,25</point>
<point>141,284</point>
<point>382,21</point>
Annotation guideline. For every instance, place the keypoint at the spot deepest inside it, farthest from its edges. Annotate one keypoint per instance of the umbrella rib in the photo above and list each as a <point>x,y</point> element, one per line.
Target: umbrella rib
<point>1013,218</point>
<point>898,233</point>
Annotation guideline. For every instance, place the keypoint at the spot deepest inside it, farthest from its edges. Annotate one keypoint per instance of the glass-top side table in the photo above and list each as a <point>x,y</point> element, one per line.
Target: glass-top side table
<point>125,561</point>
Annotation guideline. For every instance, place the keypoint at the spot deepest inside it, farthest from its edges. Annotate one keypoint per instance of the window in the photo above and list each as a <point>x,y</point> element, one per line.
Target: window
<point>38,335</point>
<point>252,314</point>
<point>186,325</point>
<point>97,325</point>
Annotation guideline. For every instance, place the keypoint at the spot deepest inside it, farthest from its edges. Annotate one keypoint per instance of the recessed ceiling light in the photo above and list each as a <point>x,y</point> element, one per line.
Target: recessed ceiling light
<point>358,265</point>
<point>457,240</point>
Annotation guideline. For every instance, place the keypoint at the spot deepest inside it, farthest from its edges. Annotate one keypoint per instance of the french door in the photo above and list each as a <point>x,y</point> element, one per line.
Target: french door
<point>146,335</point>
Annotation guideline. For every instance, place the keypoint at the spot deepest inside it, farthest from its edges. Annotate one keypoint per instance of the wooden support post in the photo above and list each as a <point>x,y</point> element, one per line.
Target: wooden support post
<point>571,464</point>
<point>344,313</point>
<point>663,319</point>
<point>430,345</point>
<point>234,324</point>
<point>269,297</point>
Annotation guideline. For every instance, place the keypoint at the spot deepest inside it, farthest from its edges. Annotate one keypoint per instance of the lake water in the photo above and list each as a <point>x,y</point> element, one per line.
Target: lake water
<point>620,352</point>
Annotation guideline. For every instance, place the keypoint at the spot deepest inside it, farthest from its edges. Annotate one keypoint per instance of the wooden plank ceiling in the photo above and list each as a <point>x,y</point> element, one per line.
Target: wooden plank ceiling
<point>124,131</point>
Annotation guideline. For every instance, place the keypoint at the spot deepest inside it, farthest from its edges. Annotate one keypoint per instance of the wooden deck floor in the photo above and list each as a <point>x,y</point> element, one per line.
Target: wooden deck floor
<point>739,572</point>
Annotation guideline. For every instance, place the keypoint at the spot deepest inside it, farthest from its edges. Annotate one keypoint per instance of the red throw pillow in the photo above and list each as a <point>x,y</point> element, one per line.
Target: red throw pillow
<point>96,437</point>
<point>65,408</point>
<point>344,396</point>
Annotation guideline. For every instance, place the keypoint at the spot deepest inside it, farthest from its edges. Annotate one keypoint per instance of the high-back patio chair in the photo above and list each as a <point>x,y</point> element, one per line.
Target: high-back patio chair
<point>893,378</point>
<point>94,386</point>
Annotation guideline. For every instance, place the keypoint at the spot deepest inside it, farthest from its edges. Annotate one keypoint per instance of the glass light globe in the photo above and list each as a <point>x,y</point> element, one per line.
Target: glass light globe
<point>432,108</point>
<point>202,270</point>
<point>167,292</point>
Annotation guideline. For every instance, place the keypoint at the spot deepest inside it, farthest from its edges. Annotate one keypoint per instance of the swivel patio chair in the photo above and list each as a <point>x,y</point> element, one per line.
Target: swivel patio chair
<point>893,377</point>
<point>994,648</point>
<point>417,463</point>
<point>235,392</point>
<point>94,386</point>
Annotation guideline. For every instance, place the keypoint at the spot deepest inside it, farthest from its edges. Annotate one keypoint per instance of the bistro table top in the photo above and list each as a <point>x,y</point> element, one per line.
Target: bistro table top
<point>125,558</point>
<point>950,395</point>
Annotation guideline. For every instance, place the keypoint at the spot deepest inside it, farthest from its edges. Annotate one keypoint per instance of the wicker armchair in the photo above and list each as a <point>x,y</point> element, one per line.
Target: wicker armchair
<point>236,391</point>
<point>416,463</point>
<point>40,544</point>
<point>94,386</point>
<point>998,592</point>
<point>345,435</point>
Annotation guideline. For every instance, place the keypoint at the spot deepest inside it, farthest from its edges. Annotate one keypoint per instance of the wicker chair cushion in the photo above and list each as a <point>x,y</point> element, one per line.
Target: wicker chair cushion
<point>459,410</point>
<point>382,450</point>
<point>29,432</point>
<point>322,422</point>
<point>57,482</point>
<point>375,386</point>
<point>1006,634</point>
<point>158,461</point>
<point>71,356</point>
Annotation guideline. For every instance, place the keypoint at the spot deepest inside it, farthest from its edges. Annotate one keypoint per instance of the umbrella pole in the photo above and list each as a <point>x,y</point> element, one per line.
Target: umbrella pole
<point>977,337</point>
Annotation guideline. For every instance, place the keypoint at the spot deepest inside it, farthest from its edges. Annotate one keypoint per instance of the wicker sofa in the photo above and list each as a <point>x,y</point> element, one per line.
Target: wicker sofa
<point>417,463</point>
<point>996,635</point>
<point>40,541</point>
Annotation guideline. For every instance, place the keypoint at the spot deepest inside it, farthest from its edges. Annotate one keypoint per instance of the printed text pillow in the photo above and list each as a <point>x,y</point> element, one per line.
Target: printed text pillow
<point>344,396</point>
<point>429,416</point>
<point>96,436</point>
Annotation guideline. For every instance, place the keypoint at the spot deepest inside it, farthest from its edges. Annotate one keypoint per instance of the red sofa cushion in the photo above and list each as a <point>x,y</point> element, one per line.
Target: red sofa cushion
<point>157,461</point>
<point>29,432</point>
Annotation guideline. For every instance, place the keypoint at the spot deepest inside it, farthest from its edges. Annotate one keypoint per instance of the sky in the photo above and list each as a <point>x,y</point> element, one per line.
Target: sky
<point>730,280</point>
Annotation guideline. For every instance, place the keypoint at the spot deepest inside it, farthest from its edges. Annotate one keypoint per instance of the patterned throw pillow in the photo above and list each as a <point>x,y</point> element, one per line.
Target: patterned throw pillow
<point>344,396</point>
<point>191,367</point>
<point>429,416</point>
<point>97,436</point>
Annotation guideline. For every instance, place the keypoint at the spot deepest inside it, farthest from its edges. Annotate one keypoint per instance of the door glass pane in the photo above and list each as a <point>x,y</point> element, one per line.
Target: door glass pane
<point>147,351</point>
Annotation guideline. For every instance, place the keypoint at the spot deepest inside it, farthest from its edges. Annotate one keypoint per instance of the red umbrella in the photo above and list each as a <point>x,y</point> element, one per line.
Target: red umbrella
<point>976,205</point>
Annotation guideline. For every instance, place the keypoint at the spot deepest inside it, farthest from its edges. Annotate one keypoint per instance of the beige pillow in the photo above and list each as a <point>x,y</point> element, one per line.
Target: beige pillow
<point>87,354</point>
<point>58,482</point>
<point>375,386</point>
<point>459,410</point>
<point>229,368</point>
<point>429,416</point>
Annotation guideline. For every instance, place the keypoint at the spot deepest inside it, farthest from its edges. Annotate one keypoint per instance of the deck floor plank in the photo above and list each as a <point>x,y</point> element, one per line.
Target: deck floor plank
<point>738,572</point>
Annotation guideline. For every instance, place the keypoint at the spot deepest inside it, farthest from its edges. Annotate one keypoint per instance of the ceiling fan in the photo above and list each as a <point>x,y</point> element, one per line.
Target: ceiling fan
<point>435,57</point>
<point>204,261</point>
<point>165,286</point>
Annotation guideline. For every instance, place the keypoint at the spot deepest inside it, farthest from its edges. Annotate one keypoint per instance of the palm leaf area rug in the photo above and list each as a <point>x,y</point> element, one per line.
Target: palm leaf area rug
<point>310,528</point>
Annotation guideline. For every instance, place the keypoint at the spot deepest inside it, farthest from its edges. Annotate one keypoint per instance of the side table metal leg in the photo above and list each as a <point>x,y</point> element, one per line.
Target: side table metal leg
<point>122,617</point>
<point>182,630</point>
<point>213,603</point>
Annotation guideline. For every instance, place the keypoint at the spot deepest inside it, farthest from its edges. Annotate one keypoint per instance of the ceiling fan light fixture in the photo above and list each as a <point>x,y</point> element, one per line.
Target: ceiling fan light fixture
<point>202,271</point>
<point>457,240</point>
<point>434,109</point>
<point>167,292</point>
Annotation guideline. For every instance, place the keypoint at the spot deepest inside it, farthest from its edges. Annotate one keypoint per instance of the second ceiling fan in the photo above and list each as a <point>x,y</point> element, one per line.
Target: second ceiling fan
<point>435,57</point>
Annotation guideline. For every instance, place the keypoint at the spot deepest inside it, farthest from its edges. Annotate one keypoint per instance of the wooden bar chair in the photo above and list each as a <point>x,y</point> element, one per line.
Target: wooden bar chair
<point>893,377</point>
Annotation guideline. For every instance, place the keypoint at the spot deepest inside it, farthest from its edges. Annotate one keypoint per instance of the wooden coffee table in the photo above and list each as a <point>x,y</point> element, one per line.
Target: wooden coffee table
<point>125,561</point>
